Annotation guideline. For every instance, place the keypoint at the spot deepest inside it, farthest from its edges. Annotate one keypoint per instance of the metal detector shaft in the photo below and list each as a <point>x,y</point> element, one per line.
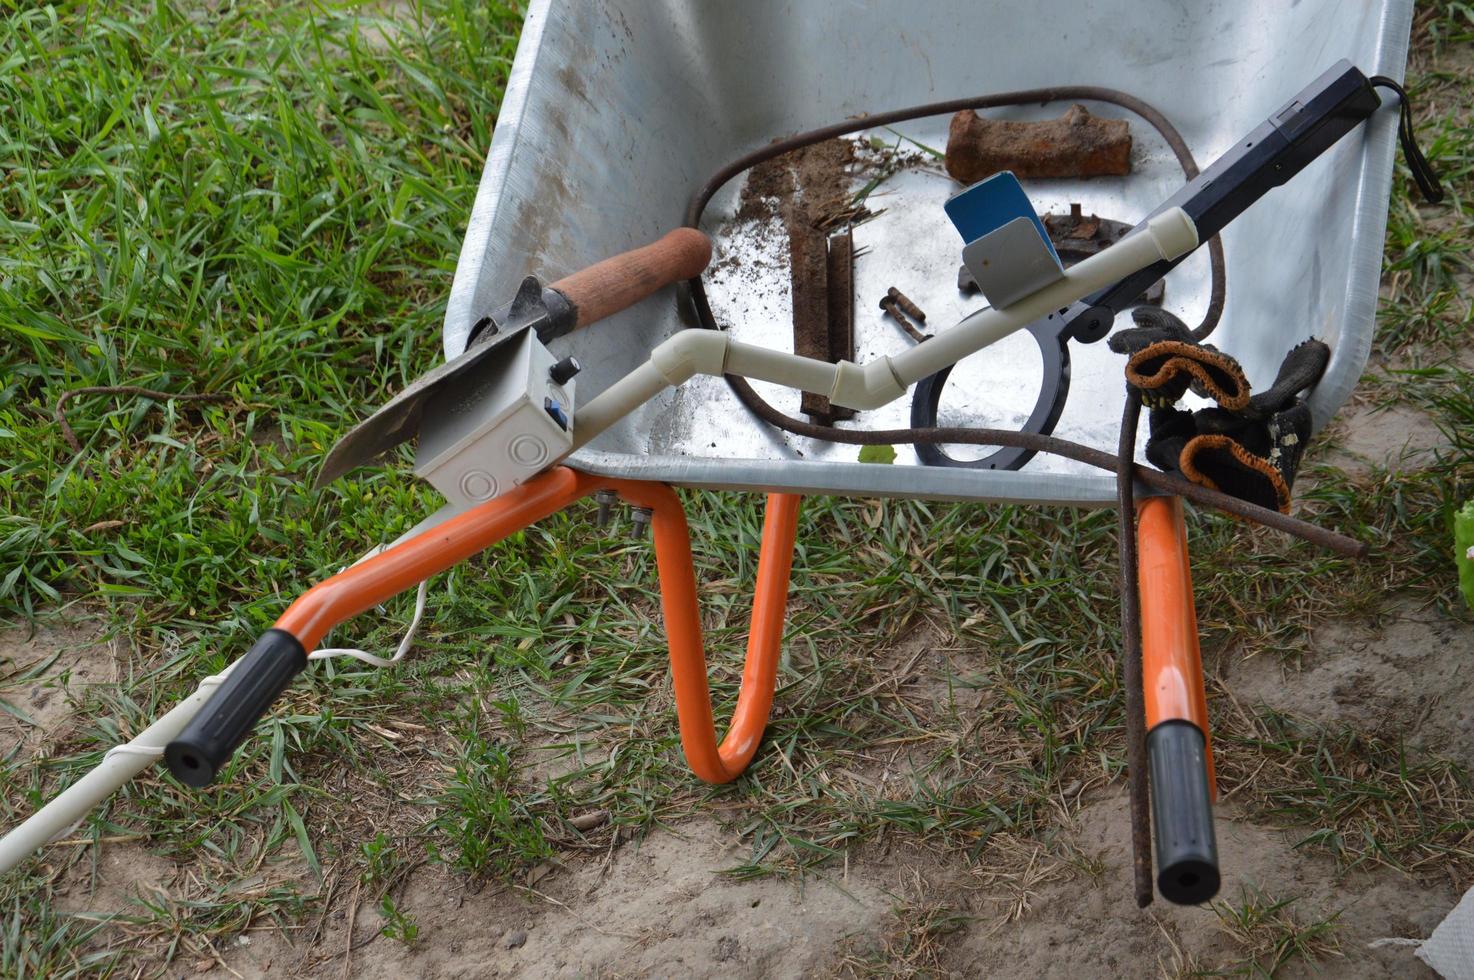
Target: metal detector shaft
<point>118,766</point>
<point>1277,149</point>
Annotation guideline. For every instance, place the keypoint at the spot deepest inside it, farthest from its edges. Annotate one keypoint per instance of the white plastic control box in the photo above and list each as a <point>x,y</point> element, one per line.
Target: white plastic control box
<point>503,423</point>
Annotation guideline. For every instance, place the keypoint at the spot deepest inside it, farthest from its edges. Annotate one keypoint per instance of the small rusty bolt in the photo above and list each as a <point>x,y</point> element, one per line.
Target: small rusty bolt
<point>912,310</point>
<point>606,499</point>
<point>890,305</point>
<point>640,518</point>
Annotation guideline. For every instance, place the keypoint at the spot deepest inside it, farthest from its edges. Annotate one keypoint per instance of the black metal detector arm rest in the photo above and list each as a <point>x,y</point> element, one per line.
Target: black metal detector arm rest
<point>1341,99</point>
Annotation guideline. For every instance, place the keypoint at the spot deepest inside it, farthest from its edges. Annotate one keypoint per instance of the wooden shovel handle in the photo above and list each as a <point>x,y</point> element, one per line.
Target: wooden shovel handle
<point>607,287</point>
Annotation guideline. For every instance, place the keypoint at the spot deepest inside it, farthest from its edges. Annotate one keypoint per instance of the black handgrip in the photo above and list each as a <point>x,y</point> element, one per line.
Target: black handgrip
<point>1274,151</point>
<point>1187,849</point>
<point>206,743</point>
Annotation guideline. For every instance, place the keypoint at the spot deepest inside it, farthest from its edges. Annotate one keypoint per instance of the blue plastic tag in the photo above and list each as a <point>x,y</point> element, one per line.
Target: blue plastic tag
<point>989,205</point>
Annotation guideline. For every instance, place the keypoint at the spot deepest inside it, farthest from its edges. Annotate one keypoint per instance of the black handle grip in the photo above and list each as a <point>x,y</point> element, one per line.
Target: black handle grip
<point>1187,849</point>
<point>206,743</point>
<point>1273,152</point>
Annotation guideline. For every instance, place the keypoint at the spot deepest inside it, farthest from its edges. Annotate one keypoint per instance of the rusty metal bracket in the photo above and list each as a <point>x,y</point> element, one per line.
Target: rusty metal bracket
<point>821,271</point>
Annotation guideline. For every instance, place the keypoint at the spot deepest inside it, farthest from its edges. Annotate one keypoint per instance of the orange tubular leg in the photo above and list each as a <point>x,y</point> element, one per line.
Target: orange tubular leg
<point>379,578</point>
<point>1172,665</point>
<point>710,762</point>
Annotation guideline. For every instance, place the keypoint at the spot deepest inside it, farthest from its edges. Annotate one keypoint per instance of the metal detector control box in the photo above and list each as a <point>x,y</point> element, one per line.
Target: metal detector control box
<point>497,425</point>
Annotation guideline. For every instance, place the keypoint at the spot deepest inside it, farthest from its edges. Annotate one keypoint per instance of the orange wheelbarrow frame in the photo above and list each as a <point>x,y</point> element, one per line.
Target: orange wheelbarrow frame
<point>401,567</point>
<point>1173,670</point>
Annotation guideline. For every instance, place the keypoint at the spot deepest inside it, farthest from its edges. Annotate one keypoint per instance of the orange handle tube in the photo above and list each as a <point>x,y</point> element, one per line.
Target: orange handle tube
<point>1172,664</point>
<point>371,582</point>
<point>409,563</point>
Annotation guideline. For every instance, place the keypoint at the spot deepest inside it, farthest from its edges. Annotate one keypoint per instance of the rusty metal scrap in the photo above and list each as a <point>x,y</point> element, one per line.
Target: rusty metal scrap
<point>892,308</point>
<point>904,302</point>
<point>1076,144</point>
<point>841,289</point>
<point>1077,236</point>
<point>821,269</point>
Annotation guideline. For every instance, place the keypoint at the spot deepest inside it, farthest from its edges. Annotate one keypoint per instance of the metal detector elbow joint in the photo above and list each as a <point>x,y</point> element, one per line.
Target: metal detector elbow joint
<point>865,386</point>
<point>689,353</point>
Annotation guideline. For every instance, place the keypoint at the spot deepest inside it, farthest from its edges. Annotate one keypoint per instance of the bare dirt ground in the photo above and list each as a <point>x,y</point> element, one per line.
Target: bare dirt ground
<point>47,670</point>
<point>662,906</point>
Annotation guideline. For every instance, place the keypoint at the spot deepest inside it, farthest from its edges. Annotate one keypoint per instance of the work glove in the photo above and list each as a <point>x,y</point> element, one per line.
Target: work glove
<point>1164,361</point>
<point>1254,460</point>
<point>1246,446</point>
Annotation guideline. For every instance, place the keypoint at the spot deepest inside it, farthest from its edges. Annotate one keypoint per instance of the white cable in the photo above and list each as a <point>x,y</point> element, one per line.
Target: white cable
<point>120,764</point>
<point>152,753</point>
<point>66,811</point>
<point>404,644</point>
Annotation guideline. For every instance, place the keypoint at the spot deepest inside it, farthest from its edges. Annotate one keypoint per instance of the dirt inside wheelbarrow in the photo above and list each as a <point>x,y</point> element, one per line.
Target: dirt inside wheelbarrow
<point>820,188</point>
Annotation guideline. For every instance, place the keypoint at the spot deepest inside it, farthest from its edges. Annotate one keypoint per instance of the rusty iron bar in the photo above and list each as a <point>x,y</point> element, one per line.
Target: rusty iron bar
<point>840,283</point>
<point>1131,666</point>
<point>1164,482</point>
<point>808,266</point>
<point>1076,144</point>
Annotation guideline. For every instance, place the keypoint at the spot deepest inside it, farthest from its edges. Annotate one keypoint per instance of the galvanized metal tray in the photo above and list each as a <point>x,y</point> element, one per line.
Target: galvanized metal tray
<point>615,112</point>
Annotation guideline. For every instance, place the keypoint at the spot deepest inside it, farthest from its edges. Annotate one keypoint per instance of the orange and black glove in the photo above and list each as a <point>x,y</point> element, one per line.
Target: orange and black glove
<point>1246,446</point>
<point>1164,361</point>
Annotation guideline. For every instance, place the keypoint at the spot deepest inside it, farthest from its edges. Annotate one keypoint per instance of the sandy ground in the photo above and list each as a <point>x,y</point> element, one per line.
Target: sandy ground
<point>41,707</point>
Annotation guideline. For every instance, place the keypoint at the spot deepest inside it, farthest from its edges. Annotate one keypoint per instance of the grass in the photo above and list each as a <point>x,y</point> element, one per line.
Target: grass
<point>265,205</point>
<point>1271,934</point>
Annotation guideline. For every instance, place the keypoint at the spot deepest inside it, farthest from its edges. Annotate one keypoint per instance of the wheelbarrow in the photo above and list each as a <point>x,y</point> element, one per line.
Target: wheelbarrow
<point>614,116</point>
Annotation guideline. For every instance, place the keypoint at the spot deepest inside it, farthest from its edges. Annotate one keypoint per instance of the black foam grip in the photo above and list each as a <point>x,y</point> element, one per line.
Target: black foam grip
<point>206,743</point>
<point>1187,849</point>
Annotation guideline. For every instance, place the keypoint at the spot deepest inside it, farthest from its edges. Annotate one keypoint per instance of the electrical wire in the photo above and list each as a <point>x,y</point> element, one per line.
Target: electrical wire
<point>1422,171</point>
<point>325,653</point>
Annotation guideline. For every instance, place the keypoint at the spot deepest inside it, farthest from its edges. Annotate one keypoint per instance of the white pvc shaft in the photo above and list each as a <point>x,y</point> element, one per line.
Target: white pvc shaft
<point>1165,237</point>
<point>618,400</point>
<point>117,767</point>
<point>791,371</point>
<point>878,382</point>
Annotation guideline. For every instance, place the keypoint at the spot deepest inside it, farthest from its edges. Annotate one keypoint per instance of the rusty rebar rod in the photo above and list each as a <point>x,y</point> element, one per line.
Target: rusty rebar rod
<point>1131,667</point>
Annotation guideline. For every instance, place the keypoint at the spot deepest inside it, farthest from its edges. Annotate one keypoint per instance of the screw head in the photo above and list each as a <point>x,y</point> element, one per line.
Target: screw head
<point>606,499</point>
<point>640,518</point>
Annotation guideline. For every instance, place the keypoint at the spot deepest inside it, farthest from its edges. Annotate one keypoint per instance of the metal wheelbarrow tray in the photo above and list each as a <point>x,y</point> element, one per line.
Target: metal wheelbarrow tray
<point>615,112</point>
